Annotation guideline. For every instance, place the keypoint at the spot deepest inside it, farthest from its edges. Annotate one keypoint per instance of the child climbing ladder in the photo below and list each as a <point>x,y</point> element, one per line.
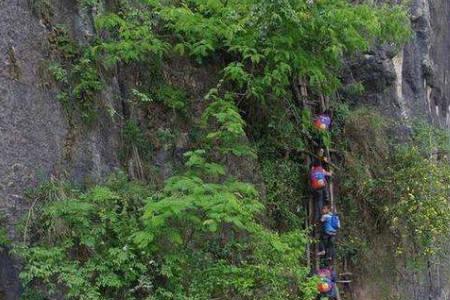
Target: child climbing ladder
<point>330,226</point>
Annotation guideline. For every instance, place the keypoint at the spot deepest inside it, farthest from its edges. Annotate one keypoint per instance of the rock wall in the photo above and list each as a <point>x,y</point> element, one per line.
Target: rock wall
<point>426,92</point>
<point>439,55</point>
<point>424,63</point>
<point>36,141</point>
<point>410,84</point>
<point>413,82</point>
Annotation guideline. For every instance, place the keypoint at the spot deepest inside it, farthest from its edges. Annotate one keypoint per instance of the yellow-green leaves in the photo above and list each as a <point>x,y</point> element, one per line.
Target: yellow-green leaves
<point>130,38</point>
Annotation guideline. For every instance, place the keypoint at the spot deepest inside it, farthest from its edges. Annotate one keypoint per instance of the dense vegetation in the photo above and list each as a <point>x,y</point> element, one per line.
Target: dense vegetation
<point>206,232</point>
<point>395,185</point>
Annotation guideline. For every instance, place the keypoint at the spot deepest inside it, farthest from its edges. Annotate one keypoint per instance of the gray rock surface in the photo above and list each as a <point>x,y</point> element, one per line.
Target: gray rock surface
<point>35,139</point>
<point>413,84</point>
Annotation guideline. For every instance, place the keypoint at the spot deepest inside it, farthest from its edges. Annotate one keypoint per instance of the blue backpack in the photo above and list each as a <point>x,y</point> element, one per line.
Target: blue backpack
<point>332,224</point>
<point>335,222</point>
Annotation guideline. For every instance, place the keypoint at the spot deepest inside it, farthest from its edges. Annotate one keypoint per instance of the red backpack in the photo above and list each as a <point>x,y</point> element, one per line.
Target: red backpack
<point>326,284</point>
<point>322,122</point>
<point>318,179</point>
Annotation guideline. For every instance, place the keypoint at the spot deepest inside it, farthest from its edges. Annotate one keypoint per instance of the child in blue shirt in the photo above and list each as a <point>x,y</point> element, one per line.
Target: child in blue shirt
<point>330,226</point>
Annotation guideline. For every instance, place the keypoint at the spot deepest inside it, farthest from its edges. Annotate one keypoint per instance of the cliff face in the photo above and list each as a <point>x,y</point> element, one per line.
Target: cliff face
<point>439,50</point>
<point>38,141</point>
<point>422,87</point>
<point>412,84</point>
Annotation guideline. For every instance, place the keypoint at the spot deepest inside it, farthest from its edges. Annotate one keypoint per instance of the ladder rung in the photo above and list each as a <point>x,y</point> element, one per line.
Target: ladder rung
<point>343,281</point>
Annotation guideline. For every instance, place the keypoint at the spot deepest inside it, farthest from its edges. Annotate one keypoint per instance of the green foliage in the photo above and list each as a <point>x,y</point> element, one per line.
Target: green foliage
<point>285,192</point>
<point>283,133</point>
<point>87,82</point>
<point>212,204</point>
<point>355,89</point>
<point>198,238</point>
<point>141,97</point>
<point>134,140</point>
<point>227,133</point>
<point>64,47</point>
<point>166,137</point>
<point>83,242</point>
<point>419,177</point>
<point>4,239</point>
<point>272,41</point>
<point>172,97</point>
<point>267,44</point>
<point>365,133</point>
<point>88,3</point>
<point>204,226</point>
<point>131,37</point>
<point>76,74</point>
<point>421,212</point>
<point>58,72</point>
<point>401,186</point>
<point>429,139</point>
<point>363,140</point>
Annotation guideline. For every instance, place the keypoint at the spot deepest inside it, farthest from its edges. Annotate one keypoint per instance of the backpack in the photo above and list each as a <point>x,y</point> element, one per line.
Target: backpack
<point>335,222</point>
<point>322,122</point>
<point>318,179</point>
<point>332,224</point>
<point>325,285</point>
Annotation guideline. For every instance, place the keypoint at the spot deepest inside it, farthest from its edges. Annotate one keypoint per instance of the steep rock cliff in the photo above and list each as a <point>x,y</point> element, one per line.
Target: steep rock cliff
<point>37,140</point>
<point>414,82</point>
<point>408,85</point>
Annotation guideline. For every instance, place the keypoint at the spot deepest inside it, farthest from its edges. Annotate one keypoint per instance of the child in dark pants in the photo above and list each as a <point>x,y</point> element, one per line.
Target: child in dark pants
<point>330,226</point>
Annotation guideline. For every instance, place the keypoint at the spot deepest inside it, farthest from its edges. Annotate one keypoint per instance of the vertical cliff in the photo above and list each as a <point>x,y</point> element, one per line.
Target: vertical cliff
<point>409,85</point>
<point>425,66</point>
<point>414,82</point>
<point>423,85</point>
<point>37,141</point>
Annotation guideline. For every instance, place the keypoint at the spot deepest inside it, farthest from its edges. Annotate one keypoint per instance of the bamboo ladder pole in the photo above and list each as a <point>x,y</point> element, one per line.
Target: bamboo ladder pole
<point>310,219</point>
<point>311,204</point>
<point>325,104</point>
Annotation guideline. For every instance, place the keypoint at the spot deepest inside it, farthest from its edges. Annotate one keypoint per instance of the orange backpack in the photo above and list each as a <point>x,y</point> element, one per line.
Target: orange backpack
<point>318,179</point>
